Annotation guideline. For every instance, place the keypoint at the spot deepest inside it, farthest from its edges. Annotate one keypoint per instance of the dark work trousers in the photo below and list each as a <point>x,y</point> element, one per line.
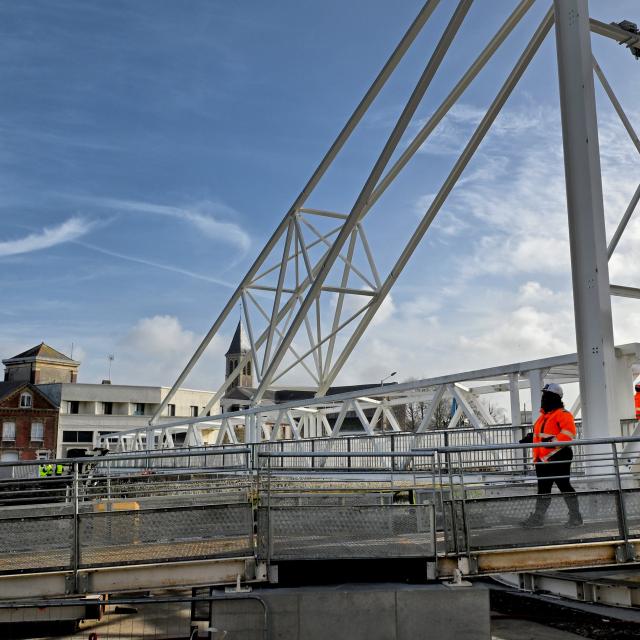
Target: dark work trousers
<point>556,470</point>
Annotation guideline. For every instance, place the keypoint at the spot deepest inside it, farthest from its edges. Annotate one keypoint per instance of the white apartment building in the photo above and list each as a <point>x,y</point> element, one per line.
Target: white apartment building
<point>88,411</point>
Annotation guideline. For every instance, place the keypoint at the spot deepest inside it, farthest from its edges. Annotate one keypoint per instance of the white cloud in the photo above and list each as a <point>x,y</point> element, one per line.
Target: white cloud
<point>158,265</point>
<point>69,230</point>
<point>201,216</point>
<point>155,350</point>
<point>160,336</point>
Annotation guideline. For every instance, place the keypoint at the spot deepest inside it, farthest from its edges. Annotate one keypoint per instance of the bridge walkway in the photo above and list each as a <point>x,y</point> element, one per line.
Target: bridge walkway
<point>119,524</point>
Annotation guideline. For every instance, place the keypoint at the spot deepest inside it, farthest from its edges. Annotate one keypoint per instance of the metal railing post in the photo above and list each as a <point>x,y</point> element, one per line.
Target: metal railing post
<point>269,540</point>
<point>75,551</point>
<point>623,524</point>
<point>454,517</point>
<point>393,448</point>
<point>463,502</point>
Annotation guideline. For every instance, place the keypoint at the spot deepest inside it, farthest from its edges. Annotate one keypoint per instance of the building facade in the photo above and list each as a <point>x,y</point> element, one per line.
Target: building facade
<point>29,420</point>
<point>78,413</point>
<point>89,411</point>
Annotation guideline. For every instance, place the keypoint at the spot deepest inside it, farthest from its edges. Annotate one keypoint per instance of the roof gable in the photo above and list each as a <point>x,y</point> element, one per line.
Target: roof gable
<point>8,389</point>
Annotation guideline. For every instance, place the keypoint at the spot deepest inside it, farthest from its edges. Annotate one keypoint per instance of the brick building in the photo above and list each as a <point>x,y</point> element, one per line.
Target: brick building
<point>29,421</point>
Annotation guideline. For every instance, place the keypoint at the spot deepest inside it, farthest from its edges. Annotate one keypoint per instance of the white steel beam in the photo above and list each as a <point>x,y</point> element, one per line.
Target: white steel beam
<point>624,292</point>
<point>468,77</point>
<point>514,398</point>
<point>616,104</point>
<point>356,212</point>
<point>614,32</point>
<point>440,198</point>
<point>590,273</point>
<point>536,382</point>
<point>431,409</point>
<point>622,225</point>
<point>373,91</point>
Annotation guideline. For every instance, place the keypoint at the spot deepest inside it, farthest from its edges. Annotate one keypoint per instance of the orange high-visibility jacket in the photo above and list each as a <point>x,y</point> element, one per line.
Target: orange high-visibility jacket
<point>637,398</point>
<point>557,423</point>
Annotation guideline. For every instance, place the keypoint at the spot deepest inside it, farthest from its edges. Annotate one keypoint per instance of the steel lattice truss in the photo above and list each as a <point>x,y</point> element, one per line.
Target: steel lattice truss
<point>315,287</point>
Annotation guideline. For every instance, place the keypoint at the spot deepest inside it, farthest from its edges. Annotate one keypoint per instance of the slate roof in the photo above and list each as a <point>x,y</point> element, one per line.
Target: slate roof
<point>289,395</point>
<point>42,352</point>
<point>9,388</point>
<point>239,342</point>
<point>246,393</point>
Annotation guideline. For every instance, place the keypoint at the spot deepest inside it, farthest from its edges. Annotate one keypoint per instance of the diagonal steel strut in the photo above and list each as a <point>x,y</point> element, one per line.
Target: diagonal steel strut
<point>354,216</point>
<point>449,183</point>
<point>375,88</point>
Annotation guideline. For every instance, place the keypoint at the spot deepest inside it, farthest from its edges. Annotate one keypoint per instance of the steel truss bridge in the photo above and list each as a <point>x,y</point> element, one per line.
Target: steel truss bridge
<point>317,284</point>
<point>284,484</point>
<point>452,501</point>
<point>388,407</point>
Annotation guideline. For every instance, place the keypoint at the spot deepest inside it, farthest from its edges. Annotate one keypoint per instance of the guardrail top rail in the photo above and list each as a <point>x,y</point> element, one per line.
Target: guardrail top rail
<point>459,500</point>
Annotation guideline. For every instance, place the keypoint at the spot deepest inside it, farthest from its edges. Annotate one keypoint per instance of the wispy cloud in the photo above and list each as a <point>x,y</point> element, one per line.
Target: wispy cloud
<point>68,231</point>
<point>158,265</point>
<point>200,216</point>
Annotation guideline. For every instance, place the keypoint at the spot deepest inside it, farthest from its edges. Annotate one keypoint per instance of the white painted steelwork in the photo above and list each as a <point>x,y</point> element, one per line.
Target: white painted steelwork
<point>315,287</point>
<point>382,409</point>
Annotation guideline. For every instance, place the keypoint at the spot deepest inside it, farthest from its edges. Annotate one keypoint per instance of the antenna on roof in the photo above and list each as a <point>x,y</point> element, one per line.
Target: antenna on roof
<point>111,358</point>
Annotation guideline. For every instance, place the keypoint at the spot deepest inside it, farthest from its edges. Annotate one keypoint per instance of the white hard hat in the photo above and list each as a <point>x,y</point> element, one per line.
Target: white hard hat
<point>552,387</point>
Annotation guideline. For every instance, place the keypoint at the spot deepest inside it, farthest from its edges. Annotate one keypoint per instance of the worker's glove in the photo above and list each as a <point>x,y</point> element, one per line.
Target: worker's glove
<point>547,439</point>
<point>528,439</point>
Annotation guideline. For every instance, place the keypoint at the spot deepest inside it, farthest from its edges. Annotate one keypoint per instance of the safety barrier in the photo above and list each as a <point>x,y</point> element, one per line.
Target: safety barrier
<point>433,503</point>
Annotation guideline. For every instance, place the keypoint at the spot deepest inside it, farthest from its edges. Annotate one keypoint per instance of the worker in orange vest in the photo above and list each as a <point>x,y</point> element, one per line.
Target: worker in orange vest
<point>637,399</point>
<point>553,463</point>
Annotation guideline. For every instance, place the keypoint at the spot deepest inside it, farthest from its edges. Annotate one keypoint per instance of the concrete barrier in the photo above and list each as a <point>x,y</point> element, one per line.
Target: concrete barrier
<point>358,612</point>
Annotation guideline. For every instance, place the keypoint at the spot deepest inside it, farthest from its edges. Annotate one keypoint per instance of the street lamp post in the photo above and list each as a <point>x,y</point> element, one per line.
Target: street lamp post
<point>393,373</point>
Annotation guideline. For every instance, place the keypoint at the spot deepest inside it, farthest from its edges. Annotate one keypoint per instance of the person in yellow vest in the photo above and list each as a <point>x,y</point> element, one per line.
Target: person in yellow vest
<point>45,470</point>
<point>553,463</point>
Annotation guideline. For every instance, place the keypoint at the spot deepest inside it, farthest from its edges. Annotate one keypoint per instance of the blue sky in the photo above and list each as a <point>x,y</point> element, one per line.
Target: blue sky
<point>149,148</point>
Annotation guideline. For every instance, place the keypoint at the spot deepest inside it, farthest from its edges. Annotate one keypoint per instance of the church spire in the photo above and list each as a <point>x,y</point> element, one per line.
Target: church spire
<point>239,347</point>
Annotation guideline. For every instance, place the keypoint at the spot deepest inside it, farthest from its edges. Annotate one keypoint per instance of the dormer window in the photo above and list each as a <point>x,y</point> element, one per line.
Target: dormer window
<point>26,401</point>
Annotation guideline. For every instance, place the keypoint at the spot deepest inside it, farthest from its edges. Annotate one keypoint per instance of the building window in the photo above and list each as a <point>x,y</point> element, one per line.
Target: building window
<point>194,411</point>
<point>77,436</point>
<point>107,408</point>
<point>37,432</point>
<point>73,406</point>
<point>26,400</point>
<point>9,456</point>
<point>8,431</point>
<point>138,409</point>
<point>171,409</point>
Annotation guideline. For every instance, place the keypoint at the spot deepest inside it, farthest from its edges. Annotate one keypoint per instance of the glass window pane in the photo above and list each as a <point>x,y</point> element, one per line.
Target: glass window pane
<point>37,431</point>
<point>8,430</point>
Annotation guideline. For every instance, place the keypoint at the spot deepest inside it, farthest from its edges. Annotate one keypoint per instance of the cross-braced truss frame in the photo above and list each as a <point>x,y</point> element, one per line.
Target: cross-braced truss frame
<point>410,406</point>
<point>315,287</point>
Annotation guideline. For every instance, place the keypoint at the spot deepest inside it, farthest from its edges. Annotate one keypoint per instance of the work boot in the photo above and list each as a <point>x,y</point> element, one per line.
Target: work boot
<point>575,518</point>
<point>535,520</point>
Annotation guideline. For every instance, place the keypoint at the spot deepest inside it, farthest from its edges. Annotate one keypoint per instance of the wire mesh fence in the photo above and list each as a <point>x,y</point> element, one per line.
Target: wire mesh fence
<point>401,502</point>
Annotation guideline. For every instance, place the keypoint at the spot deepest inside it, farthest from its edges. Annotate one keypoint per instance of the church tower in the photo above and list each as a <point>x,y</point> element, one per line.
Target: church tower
<point>239,347</point>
